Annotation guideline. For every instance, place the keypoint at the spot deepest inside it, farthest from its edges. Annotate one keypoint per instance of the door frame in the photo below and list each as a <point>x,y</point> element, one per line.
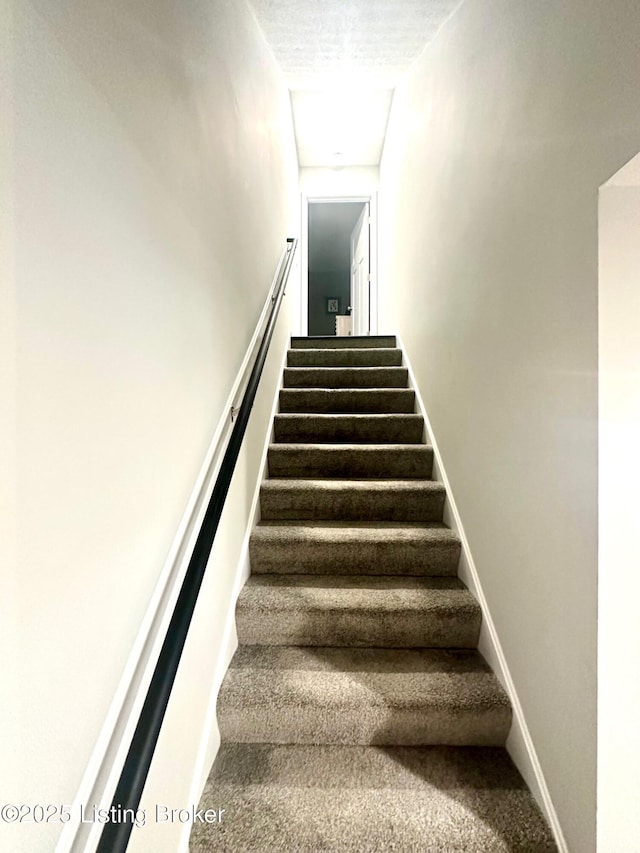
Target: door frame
<point>314,198</point>
<point>358,288</point>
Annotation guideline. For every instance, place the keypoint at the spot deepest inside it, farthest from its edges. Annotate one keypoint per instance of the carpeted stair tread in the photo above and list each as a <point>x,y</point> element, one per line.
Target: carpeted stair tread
<point>360,610</point>
<point>347,401</point>
<point>336,429</point>
<point>345,377</point>
<point>362,696</point>
<point>343,342</point>
<point>378,461</point>
<point>380,500</point>
<point>362,799</point>
<point>368,548</point>
<point>348,357</point>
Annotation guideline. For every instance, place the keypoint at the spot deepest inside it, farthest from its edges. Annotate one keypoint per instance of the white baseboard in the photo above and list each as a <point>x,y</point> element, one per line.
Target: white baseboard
<point>519,744</point>
<point>100,778</point>
<point>210,733</point>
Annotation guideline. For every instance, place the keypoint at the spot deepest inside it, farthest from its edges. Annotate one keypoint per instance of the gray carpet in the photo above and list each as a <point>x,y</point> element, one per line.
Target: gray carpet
<point>351,500</point>
<point>353,357</point>
<point>382,461</point>
<point>356,548</point>
<point>347,401</point>
<point>328,799</point>
<point>335,429</point>
<point>284,694</point>
<point>357,714</point>
<point>362,611</point>
<point>345,377</point>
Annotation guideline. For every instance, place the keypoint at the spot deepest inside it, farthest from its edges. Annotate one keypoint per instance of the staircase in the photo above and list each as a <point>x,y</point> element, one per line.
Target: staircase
<point>357,713</point>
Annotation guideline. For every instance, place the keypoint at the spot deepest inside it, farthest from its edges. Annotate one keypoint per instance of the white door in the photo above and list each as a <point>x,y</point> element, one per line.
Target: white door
<point>360,275</point>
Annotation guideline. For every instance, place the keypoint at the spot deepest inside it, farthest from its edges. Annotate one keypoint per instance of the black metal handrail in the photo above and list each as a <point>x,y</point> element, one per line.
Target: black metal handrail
<point>115,835</point>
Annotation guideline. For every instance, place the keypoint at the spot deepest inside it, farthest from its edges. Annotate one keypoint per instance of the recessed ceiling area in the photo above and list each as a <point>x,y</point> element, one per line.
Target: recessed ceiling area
<point>340,128</point>
<point>342,59</point>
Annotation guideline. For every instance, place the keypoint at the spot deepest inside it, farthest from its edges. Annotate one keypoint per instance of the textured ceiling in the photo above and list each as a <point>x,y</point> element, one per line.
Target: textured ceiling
<point>376,41</point>
<point>342,59</point>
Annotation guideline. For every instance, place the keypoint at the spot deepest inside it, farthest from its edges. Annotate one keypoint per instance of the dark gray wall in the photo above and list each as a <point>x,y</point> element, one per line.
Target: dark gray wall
<point>322,285</point>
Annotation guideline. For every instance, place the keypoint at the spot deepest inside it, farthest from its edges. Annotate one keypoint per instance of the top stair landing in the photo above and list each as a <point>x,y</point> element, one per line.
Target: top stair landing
<point>346,342</point>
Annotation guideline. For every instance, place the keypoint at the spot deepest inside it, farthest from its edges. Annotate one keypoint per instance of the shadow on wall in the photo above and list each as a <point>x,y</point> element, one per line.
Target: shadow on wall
<point>330,227</point>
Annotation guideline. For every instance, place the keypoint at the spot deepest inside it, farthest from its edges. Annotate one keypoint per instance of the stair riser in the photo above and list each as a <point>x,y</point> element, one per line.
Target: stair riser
<point>345,377</point>
<point>375,558</point>
<point>304,724</point>
<point>341,401</point>
<point>311,462</point>
<point>359,628</point>
<point>358,506</point>
<point>344,358</point>
<point>352,341</point>
<point>358,429</point>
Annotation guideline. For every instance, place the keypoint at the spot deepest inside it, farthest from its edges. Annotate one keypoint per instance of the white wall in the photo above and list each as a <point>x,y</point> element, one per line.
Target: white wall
<point>189,739</point>
<point>152,180</point>
<point>619,551</point>
<point>496,147</point>
<point>9,666</point>
<point>351,180</point>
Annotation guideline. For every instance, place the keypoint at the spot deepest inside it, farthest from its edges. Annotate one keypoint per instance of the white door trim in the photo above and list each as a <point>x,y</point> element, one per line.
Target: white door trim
<point>314,198</point>
<point>361,289</point>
